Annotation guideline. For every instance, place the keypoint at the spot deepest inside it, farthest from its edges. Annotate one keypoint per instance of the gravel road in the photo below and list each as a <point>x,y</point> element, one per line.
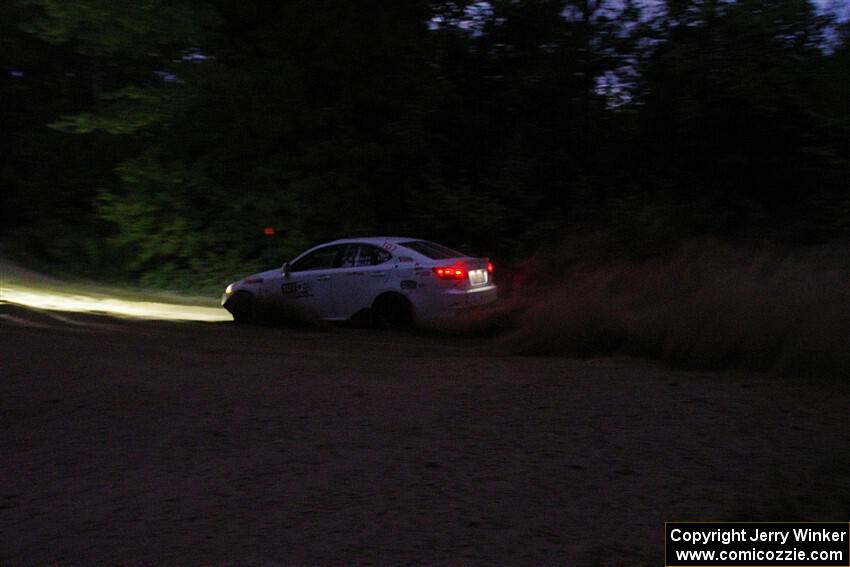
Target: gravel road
<point>140,442</point>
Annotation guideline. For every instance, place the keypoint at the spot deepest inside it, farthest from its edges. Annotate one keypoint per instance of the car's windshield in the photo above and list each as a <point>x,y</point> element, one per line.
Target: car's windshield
<point>432,249</point>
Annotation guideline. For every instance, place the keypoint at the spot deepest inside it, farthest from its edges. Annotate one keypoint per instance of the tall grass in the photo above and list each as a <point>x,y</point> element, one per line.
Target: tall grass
<point>707,305</point>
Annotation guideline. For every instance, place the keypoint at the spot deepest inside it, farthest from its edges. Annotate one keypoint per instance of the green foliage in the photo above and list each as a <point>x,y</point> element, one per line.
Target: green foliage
<point>128,28</point>
<point>127,111</point>
<point>180,129</point>
<point>175,227</point>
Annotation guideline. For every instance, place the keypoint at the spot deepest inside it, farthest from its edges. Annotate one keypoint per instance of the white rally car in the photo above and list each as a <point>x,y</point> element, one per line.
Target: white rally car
<point>390,281</point>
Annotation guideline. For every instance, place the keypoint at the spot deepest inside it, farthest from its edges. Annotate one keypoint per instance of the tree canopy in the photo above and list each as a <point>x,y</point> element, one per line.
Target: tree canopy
<point>158,139</point>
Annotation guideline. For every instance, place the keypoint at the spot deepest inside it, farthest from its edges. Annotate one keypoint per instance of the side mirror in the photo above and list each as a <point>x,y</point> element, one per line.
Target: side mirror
<point>286,269</point>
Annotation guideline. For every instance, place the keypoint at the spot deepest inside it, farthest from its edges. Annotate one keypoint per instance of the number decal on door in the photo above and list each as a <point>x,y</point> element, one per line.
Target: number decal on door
<point>297,289</point>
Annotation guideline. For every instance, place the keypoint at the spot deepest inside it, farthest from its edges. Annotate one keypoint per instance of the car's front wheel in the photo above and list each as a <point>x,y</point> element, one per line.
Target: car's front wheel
<point>243,307</point>
<point>392,311</point>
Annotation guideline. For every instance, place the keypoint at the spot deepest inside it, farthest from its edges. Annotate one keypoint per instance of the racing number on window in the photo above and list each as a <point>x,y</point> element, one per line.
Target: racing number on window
<point>372,256</point>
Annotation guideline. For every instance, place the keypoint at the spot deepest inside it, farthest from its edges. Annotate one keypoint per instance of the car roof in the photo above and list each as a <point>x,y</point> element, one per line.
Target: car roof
<point>376,240</point>
<point>380,242</point>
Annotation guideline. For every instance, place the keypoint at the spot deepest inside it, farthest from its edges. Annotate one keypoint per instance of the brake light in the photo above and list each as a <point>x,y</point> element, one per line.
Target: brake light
<point>450,273</point>
<point>489,267</point>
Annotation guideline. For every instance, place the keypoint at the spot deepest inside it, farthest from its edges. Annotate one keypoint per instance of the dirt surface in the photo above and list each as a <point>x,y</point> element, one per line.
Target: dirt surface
<point>141,442</point>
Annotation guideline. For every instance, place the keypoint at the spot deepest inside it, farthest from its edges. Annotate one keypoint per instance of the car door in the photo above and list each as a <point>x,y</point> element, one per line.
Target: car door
<point>308,286</point>
<point>361,277</point>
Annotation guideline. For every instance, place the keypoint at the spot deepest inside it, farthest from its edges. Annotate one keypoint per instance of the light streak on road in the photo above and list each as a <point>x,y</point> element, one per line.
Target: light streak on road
<point>56,301</point>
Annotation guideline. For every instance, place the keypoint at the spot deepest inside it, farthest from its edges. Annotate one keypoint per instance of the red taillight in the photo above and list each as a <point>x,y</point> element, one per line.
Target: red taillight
<point>450,273</point>
<point>489,267</point>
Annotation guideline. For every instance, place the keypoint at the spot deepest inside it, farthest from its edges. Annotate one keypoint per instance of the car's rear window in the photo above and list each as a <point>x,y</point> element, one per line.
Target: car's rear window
<point>432,249</point>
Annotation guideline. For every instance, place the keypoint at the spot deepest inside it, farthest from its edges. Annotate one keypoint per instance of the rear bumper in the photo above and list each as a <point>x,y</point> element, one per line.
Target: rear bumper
<point>458,299</point>
<point>455,301</point>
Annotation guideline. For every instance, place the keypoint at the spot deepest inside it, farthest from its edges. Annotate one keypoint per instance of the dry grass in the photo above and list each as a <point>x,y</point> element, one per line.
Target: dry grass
<point>708,305</point>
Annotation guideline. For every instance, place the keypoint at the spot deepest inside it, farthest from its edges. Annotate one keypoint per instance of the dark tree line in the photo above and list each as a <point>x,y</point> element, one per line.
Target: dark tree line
<point>157,139</point>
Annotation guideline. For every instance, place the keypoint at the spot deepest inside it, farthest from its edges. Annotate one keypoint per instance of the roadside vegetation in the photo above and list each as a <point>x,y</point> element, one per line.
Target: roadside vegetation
<point>706,305</point>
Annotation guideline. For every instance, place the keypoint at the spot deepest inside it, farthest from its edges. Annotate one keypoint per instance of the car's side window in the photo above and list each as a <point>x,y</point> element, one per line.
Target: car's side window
<point>349,257</point>
<point>320,259</point>
<point>372,256</point>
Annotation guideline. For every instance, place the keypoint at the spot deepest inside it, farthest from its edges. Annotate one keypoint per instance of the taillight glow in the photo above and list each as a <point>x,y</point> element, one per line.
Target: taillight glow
<point>450,273</point>
<point>489,267</point>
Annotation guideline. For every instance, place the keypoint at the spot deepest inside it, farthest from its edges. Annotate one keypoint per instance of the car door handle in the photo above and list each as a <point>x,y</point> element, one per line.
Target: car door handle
<point>323,278</point>
<point>377,274</point>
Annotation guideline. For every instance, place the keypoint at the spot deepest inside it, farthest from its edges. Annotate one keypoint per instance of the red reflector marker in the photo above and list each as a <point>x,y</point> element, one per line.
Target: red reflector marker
<point>268,231</point>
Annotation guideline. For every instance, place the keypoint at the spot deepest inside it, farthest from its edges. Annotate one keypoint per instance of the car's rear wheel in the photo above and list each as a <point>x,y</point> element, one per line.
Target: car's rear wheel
<point>392,311</point>
<point>243,307</point>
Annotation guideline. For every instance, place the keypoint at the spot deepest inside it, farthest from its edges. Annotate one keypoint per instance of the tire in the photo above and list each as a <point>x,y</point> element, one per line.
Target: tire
<point>243,307</point>
<point>392,311</point>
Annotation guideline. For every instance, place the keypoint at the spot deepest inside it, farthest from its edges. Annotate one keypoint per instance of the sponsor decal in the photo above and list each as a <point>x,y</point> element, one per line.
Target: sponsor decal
<point>297,289</point>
